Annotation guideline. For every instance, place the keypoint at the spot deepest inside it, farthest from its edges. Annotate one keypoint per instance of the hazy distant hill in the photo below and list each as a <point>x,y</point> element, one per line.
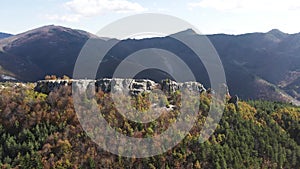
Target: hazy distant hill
<point>4,35</point>
<point>257,65</point>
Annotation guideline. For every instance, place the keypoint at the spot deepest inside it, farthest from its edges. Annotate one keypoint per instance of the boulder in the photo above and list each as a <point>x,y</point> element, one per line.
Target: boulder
<point>193,86</point>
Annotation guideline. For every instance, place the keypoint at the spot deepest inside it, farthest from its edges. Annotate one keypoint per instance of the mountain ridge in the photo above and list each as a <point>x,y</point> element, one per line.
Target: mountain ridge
<point>270,56</point>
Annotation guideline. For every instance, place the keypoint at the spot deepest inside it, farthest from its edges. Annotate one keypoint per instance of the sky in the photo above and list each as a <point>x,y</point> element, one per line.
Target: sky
<point>209,16</point>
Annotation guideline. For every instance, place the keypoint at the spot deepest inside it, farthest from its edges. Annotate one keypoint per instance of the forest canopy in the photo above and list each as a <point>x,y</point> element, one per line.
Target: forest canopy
<point>42,131</point>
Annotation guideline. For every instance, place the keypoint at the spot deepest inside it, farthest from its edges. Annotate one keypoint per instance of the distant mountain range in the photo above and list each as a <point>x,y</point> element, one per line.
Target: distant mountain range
<point>257,65</point>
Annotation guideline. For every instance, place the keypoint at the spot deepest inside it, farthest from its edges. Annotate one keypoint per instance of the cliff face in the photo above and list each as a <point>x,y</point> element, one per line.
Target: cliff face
<point>133,86</point>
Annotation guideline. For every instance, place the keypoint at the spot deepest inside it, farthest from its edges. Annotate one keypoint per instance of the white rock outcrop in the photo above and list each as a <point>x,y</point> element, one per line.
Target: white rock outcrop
<point>133,86</point>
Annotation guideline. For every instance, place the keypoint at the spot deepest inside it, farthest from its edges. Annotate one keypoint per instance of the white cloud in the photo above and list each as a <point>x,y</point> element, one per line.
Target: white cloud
<point>216,4</point>
<point>78,9</point>
<point>95,7</point>
<point>263,5</point>
<point>64,18</point>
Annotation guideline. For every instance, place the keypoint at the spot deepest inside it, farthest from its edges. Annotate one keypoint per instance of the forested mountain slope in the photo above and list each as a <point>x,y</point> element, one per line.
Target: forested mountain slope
<point>42,131</point>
